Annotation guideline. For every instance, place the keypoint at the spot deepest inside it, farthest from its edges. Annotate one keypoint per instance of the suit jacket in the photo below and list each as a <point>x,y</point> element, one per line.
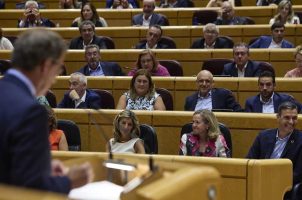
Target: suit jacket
<point>92,100</point>
<point>45,23</point>
<point>253,104</point>
<point>179,4</point>
<point>220,43</point>
<point>77,43</point>
<point>132,2</point>
<point>142,45</point>
<point>264,144</point>
<point>109,69</point>
<point>235,21</point>
<point>252,69</point>
<point>24,145</point>
<point>265,41</point>
<point>221,99</point>
<point>155,19</point>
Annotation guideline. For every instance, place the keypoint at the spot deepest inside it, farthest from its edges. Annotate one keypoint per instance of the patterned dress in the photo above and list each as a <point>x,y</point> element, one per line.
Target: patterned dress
<point>190,145</point>
<point>140,103</point>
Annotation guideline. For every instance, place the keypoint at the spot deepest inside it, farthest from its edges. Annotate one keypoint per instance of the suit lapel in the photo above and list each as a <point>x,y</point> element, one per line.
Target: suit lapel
<point>290,145</point>
<point>276,100</point>
<point>271,143</point>
<point>234,70</point>
<point>258,104</point>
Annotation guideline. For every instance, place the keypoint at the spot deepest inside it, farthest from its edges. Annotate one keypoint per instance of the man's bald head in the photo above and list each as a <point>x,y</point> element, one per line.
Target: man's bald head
<point>205,82</point>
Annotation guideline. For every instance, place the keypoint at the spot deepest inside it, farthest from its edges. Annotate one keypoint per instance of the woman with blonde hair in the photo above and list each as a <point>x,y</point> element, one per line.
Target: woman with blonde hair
<point>205,139</point>
<point>296,72</point>
<point>126,134</point>
<point>142,94</point>
<point>285,14</point>
<point>147,60</point>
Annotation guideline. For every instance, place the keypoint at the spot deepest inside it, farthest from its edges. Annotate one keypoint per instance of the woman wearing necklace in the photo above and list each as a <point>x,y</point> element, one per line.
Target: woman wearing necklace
<point>126,134</point>
<point>205,139</point>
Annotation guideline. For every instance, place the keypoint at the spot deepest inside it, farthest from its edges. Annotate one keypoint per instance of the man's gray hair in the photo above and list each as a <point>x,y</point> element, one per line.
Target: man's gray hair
<point>82,77</point>
<point>211,27</point>
<point>30,2</point>
<point>35,46</point>
<point>86,22</point>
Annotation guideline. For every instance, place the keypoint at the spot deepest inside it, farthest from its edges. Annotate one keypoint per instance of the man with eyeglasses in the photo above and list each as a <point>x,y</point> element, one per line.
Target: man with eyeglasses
<point>242,66</point>
<point>211,40</point>
<point>227,16</point>
<point>210,98</point>
<point>96,67</point>
<point>282,142</point>
<point>297,72</point>
<point>87,31</point>
<point>276,40</point>
<point>268,101</point>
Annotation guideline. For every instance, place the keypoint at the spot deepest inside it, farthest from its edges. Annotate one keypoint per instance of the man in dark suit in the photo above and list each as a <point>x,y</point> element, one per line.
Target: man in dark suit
<point>24,145</point>
<point>95,67</point>
<point>211,40</point>
<point>32,17</point>
<point>208,97</point>
<point>267,101</point>
<point>153,37</point>
<point>242,66</point>
<point>228,16</point>
<point>148,17</point>
<point>174,4</point>
<point>87,31</point>
<point>276,40</point>
<point>283,142</point>
<point>79,96</point>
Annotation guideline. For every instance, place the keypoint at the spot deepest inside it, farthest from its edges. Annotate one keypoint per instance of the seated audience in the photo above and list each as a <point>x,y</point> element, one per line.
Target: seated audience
<point>126,134</point>
<point>148,17</point>
<point>88,12</point>
<point>285,14</point>
<point>5,44</point>
<point>208,97</point>
<point>205,139</point>
<point>56,137</point>
<point>174,4</point>
<point>32,17</point>
<point>282,142</point>
<point>87,31</point>
<point>276,40</point>
<point>242,66</point>
<point>69,4</point>
<point>267,2</point>
<point>96,67</point>
<point>267,101</point>
<point>147,60</point>
<point>117,3</point>
<point>142,94</point>
<point>121,4</point>
<point>218,3</point>
<point>153,37</point>
<point>296,72</point>
<point>228,16</point>
<point>78,95</point>
<point>210,39</point>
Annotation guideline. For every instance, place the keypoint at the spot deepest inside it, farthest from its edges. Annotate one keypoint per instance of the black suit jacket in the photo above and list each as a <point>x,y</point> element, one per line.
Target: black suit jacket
<point>264,144</point>
<point>252,69</point>
<point>92,100</point>
<point>220,43</point>
<point>235,21</point>
<point>24,145</point>
<point>109,69</point>
<point>155,19</point>
<point>142,45</point>
<point>179,4</point>
<point>77,43</point>
<point>221,99</point>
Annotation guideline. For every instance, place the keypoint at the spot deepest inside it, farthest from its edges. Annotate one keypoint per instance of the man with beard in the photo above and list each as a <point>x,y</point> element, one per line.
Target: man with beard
<point>148,17</point>
<point>267,101</point>
<point>210,98</point>
<point>95,67</point>
<point>242,66</point>
<point>87,31</point>
<point>32,18</point>
<point>282,142</point>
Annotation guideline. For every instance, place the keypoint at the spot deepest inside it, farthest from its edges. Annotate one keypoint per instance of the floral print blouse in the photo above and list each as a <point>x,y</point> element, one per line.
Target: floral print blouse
<point>140,103</point>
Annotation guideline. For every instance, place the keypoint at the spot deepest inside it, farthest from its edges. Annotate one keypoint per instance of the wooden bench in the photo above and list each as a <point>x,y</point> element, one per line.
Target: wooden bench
<point>190,59</point>
<point>242,179</point>
<point>184,36</point>
<point>243,126</point>
<point>176,16</point>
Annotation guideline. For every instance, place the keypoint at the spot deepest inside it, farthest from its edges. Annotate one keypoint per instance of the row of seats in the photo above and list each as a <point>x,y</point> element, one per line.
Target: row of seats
<point>175,16</point>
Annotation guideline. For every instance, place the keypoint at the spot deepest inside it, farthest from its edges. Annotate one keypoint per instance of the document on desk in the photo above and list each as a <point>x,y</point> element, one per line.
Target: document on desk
<point>103,190</point>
